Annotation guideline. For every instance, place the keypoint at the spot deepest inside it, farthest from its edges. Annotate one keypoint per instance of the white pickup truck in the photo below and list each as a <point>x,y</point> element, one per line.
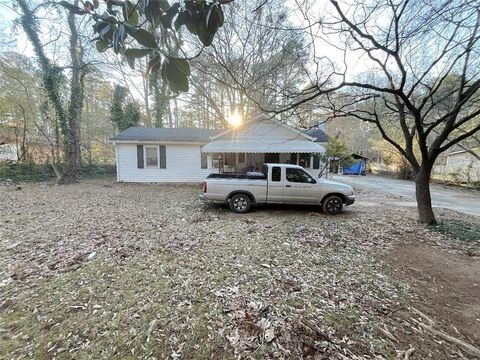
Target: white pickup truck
<point>277,184</point>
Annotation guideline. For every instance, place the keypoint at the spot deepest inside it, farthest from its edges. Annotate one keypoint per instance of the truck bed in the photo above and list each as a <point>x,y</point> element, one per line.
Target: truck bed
<point>231,175</point>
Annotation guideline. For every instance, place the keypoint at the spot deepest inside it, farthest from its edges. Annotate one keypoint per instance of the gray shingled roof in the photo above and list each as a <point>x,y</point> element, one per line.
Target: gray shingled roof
<point>318,134</point>
<point>187,134</point>
<point>166,134</point>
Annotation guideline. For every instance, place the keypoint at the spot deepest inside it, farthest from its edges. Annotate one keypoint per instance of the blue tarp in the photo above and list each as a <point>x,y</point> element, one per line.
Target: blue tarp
<point>355,169</point>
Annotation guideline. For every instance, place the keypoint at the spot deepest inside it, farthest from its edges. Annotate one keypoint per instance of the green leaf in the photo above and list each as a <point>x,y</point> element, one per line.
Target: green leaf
<point>195,22</point>
<point>154,64</point>
<point>143,37</point>
<point>107,17</point>
<point>182,19</point>
<point>182,65</point>
<point>164,71</point>
<point>205,36</point>
<point>137,53</point>
<point>153,12</point>
<point>131,62</point>
<point>72,8</point>
<point>167,18</point>
<point>173,70</point>
<point>102,45</point>
<point>130,13</point>
<point>164,5</point>
<point>221,16</point>
<point>106,30</point>
<point>119,37</point>
<point>213,20</point>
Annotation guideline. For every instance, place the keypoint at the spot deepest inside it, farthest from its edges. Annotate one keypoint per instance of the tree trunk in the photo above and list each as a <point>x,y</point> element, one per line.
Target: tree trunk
<point>148,116</point>
<point>424,200</point>
<point>72,137</point>
<point>51,80</point>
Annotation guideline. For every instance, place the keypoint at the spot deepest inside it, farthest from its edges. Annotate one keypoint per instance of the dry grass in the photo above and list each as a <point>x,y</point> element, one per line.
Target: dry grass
<point>96,270</point>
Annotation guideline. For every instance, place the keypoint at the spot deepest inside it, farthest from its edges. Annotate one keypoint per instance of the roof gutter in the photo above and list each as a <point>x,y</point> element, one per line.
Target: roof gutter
<point>139,141</point>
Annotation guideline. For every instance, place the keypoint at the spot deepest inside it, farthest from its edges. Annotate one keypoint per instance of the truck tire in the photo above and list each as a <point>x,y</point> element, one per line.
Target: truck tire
<point>240,203</point>
<point>332,205</point>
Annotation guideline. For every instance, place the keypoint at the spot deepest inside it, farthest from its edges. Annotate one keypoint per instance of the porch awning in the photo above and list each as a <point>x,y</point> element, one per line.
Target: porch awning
<point>268,146</point>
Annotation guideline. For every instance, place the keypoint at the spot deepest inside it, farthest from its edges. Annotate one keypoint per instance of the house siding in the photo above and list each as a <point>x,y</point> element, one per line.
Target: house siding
<point>462,166</point>
<point>183,165</point>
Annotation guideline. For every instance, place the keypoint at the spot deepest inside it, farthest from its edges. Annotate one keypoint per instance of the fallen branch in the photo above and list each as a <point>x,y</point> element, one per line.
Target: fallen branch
<point>422,315</point>
<point>385,332</point>
<point>408,353</point>
<point>405,354</point>
<point>152,326</point>
<point>467,347</point>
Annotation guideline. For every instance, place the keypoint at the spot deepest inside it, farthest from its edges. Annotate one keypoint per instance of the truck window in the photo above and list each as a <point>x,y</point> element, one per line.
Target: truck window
<point>298,176</point>
<point>276,173</point>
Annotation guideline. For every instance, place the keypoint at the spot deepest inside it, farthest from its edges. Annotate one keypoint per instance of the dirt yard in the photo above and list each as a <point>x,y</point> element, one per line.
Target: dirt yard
<point>99,270</point>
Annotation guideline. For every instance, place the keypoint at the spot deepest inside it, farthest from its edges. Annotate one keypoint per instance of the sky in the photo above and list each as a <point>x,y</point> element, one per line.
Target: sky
<point>19,40</point>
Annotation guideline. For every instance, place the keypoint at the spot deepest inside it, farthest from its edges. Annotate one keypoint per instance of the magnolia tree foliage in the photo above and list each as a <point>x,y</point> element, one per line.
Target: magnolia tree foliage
<point>145,28</point>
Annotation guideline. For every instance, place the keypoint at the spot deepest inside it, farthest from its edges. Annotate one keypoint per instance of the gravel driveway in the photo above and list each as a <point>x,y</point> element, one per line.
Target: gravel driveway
<point>462,200</point>
<point>103,270</point>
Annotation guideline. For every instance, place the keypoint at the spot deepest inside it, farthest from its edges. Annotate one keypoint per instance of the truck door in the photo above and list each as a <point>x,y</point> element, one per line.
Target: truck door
<point>275,185</point>
<point>298,187</point>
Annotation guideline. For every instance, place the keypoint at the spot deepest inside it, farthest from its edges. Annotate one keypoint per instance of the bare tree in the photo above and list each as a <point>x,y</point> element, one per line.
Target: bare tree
<point>420,74</point>
<point>251,62</point>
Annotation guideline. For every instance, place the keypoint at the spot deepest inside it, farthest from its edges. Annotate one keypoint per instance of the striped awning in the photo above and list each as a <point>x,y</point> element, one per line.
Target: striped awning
<point>267,146</point>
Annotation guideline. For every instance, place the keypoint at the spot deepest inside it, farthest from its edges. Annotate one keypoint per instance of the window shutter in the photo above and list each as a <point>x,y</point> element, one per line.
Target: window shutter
<point>140,162</point>
<point>203,160</point>
<point>163,157</point>
<point>316,162</point>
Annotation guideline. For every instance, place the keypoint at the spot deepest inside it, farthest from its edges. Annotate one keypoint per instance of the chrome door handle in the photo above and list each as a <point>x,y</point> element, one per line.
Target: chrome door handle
<point>288,185</point>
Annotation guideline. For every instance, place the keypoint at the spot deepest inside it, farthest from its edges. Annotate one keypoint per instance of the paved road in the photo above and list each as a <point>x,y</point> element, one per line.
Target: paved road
<point>464,201</point>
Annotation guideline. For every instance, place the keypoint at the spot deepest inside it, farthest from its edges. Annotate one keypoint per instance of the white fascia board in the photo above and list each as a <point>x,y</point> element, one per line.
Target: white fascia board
<point>157,142</point>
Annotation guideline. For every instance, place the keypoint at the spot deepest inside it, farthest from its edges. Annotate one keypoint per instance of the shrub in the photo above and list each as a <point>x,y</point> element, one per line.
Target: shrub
<point>31,172</point>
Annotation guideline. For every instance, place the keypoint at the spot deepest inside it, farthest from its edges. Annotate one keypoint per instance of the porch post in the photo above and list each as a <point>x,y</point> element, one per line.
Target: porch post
<point>209,161</point>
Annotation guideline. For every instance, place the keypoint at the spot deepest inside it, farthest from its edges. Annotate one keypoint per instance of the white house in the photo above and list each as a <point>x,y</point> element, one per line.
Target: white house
<point>189,155</point>
<point>463,165</point>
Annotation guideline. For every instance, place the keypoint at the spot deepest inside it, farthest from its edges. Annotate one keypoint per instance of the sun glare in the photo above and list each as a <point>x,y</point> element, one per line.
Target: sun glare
<point>235,119</point>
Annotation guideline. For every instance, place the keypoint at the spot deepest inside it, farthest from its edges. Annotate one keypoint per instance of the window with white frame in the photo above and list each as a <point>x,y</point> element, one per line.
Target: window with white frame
<point>151,156</point>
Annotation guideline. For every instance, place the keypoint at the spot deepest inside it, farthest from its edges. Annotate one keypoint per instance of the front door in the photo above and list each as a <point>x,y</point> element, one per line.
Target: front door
<point>298,187</point>
<point>272,158</point>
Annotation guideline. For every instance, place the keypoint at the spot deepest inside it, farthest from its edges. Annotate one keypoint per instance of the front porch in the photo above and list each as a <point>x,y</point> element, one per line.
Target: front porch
<point>244,162</point>
<point>261,140</point>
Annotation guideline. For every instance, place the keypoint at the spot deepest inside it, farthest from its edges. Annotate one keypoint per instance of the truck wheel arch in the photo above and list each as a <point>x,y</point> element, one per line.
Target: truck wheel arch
<point>248,193</point>
<point>340,195</point>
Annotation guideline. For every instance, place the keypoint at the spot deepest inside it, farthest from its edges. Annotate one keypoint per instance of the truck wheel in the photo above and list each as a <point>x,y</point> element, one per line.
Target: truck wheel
<point>332,205</point>
<point>240,203</point>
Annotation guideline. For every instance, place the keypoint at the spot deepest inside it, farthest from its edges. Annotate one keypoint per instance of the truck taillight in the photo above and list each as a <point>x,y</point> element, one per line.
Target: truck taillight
<point>204,186</point>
